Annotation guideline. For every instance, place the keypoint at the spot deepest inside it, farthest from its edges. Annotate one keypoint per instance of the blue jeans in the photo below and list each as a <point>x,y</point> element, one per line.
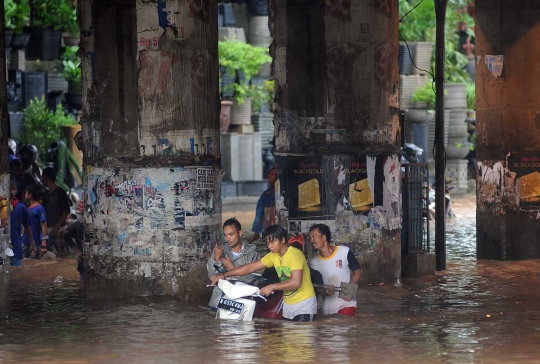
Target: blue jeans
<point>15,262</point>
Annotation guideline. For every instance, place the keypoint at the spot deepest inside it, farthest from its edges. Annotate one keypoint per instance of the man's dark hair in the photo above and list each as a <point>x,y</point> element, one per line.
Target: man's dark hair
<point>274,232</point>
<point>50,173</point>
<point>233,222</point>
<point>35,191</point>
<point>323,229</point>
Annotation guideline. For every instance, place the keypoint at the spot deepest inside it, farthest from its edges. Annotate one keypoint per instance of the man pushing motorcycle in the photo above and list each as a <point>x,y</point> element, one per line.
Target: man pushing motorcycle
<point>234,253</point>
<point>300,302</point>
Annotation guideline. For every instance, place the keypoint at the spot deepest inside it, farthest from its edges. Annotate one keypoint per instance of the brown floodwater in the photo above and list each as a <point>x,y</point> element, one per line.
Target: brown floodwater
<point>474,312</point>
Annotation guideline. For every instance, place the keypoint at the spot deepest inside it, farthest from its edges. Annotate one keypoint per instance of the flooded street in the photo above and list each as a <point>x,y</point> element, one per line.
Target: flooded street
<point>475,312</point>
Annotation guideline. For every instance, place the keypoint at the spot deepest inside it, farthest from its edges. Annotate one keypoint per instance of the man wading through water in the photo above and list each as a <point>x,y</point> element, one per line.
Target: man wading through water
<point>336,264</point>
<point>234,254</point>
<point>300,303</point>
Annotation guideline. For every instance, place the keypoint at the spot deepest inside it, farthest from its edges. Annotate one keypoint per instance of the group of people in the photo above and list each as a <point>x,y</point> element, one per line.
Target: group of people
<point>41,216</point>
<point>336,264</point>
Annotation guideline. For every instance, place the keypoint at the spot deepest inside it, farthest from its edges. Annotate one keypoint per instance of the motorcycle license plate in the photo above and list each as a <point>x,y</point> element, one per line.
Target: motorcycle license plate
<point>230,305</point>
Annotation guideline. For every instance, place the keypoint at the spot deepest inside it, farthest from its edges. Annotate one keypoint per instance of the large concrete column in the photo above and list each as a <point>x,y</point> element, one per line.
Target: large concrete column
<point>335,66</point>
<point>5,203</point>
<point>151,145</point>
<point>508,129</point>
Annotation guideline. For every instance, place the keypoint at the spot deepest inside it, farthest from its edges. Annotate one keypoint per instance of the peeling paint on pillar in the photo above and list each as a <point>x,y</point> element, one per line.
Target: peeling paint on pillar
<point>336,85</point>
<point>507,108</point>
<point>5,210</point>
<point>151,142</point>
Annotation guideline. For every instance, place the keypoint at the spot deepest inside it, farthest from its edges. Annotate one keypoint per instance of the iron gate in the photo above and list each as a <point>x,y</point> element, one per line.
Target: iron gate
<point>415,203</point>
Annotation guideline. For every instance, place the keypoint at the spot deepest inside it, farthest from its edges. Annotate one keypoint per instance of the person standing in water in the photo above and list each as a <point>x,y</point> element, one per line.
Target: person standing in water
<point>300,302</point>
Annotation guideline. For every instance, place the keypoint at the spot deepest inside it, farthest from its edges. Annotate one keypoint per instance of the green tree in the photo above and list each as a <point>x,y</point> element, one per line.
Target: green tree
<point>242,61</point>
<point>41,126</point>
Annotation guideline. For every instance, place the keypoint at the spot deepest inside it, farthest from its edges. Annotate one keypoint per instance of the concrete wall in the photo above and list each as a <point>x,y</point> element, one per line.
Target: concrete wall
<point>508,129</point>
<point>335,66</point>
<point>150,135</point>
<point>5,203</point>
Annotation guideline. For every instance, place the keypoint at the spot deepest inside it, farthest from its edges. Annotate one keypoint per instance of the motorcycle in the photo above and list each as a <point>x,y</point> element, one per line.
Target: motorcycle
<point>265,307</point>
<point>236,302</point>
<point>449,213</point>
<point>242,301</point>
<point>409,154</point>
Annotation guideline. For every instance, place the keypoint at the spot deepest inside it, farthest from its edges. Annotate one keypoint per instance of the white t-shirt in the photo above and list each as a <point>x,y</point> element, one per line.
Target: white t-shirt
<point>334,270</point>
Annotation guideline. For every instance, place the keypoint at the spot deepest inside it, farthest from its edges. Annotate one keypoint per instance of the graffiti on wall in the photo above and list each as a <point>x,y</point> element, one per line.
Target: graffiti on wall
<point>152,216</point>
<point>176,143</point>
<point>168,199</point>
<point>4,204</point>
<point>153,19</point>
<point>510,185</point>
<point>145,211</point>
<point>340,9</point>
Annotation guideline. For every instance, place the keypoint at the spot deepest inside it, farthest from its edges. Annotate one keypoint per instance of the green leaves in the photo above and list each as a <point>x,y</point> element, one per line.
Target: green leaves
<point>242,61</point>
<point>471,95</point>
<point>41,126</point>
<point>419,25</point>
<point>425,94</point>
<point>16,14</point>
<point>72,71</point>
<point>59,14</point>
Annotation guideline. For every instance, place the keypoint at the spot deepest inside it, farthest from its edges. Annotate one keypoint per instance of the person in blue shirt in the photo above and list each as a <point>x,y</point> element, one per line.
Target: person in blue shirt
<point>19,219</point>
<point>37,220</point>
<point>265,213</point>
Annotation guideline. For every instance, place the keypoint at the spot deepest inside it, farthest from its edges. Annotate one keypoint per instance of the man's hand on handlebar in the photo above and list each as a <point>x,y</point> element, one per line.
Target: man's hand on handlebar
<point>216,278</point>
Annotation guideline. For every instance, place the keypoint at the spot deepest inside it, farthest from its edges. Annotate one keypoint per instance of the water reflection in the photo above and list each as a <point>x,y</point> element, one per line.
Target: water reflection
<point>475,312</point>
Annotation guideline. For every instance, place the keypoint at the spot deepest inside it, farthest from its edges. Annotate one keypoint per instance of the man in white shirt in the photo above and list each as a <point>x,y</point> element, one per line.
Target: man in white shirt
<point>336,264</point>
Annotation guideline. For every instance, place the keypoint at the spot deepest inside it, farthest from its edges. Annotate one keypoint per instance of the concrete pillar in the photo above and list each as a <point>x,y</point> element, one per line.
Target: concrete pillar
<point>150,136</point>
<point>5,203</point>
<point>508,129</point>
<point>335,66</point>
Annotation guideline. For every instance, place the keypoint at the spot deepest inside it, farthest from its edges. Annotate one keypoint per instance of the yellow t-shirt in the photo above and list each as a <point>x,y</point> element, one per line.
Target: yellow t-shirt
<point>292,260</point>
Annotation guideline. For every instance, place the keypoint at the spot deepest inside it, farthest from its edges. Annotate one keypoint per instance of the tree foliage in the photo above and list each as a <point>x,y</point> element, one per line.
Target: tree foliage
<point>41,126</point>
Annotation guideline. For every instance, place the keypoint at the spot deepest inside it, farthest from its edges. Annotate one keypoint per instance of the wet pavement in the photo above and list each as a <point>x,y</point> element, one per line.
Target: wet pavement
<point>474,312</point>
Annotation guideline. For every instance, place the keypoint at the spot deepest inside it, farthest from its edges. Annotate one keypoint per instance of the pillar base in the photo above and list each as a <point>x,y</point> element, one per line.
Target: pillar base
<point>5,291</point>
<point>416,265</point>
<point>383,263</point>
<point>99,283</point>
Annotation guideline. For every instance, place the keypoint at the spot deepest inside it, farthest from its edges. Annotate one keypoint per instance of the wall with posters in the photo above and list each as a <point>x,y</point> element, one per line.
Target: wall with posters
<point>153,217</point>
<point>358,197</point>
<point>5,210</point>
<point>336,126</point>
<point>508,203</point>
<point>507,132</point>
<point>150,137</point>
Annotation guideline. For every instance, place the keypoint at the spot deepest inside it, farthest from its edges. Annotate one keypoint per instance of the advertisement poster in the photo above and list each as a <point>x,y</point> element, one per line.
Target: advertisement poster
<point>310,188</point>
<point>358,191</point>
<point>527,167</point>
<point>336,190</point>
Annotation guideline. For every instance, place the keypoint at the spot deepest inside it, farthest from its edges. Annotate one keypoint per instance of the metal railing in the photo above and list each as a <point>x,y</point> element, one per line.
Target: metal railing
<point>415,204</point>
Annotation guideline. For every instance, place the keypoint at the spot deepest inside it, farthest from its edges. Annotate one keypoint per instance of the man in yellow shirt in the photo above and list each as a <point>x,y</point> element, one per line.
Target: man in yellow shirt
<point>300,302</point>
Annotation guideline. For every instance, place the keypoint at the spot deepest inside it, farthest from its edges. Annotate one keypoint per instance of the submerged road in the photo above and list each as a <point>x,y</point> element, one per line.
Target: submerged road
<point>474,312</point>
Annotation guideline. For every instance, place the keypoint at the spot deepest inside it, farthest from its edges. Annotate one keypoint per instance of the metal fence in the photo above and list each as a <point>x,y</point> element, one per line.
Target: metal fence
<point>415,203</point>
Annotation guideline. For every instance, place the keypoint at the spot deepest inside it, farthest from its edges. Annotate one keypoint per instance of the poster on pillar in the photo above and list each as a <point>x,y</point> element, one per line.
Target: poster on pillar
<point>527,168</point>
<point>357,190</point>
<point>310,189</point>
